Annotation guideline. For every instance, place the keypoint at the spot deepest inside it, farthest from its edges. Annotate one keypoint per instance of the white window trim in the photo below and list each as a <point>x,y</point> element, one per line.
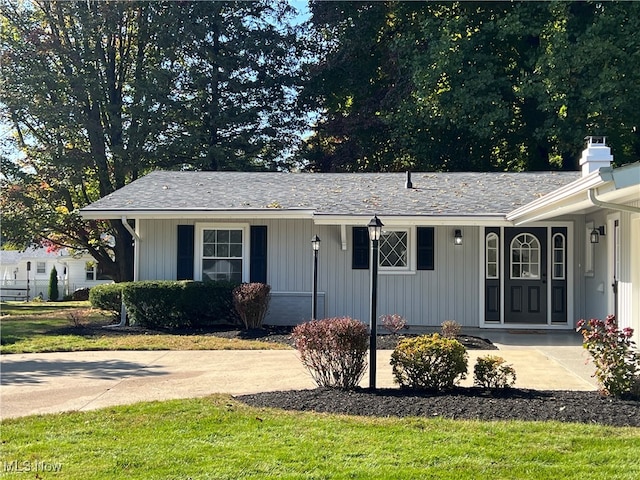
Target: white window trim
<point>588,251</point>
<point>38,263</point>
<point>411,253</point>
<point>491,236</point>
<point>93,270</point>
<point>198,252</point>
<point>564,257</point>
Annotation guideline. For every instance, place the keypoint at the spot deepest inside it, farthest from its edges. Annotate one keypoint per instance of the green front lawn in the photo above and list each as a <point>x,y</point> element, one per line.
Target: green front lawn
<point>38,327</point>
<point>220,438</point>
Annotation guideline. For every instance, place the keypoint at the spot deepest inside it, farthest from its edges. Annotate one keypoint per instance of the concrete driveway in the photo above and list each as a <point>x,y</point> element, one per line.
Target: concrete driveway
<point>59,382</point>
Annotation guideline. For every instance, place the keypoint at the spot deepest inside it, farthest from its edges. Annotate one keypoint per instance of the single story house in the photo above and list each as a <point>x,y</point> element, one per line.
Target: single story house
<point>505,250</point>
<point>32,267</point>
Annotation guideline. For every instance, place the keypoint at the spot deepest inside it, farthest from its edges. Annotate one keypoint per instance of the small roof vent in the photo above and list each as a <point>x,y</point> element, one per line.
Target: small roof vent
<point>408,183</point>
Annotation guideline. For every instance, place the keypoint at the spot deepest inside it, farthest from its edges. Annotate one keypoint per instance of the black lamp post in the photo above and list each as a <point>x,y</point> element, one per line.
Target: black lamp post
<point>28,274</point>
<point>375,230</point>
<point>315,243</point>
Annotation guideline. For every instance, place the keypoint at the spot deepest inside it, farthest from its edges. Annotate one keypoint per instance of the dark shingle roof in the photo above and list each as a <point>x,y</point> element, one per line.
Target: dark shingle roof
<point>447,194</point>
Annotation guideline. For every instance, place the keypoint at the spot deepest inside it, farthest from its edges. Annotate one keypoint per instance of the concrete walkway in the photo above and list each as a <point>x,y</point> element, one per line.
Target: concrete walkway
<point>58,382</point>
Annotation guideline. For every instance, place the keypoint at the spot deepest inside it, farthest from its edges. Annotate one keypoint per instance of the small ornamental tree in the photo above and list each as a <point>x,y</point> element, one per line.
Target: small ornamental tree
<point>251,301</point>
<point>54,293</point>
<point>333,350</point>
<point>613,353</point>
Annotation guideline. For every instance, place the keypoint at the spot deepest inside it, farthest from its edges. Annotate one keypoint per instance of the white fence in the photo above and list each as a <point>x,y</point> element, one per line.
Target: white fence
<point>23,290</point>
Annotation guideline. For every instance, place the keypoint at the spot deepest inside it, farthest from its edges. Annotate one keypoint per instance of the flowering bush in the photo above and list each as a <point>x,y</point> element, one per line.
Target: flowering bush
<point>450,328</point>
<point>491,372</point>
<point>617,363</point>
<point>394,323</point>
<point>429,362</point>
<point>333,350</point>
<point>252,302</point>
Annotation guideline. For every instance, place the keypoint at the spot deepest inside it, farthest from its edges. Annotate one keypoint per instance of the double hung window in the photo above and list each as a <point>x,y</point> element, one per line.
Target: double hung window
<point>222,254</point>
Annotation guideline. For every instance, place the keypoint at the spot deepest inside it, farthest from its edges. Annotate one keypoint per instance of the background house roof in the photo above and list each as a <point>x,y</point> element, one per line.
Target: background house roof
<point>15,256</point>
<point>440,194</point>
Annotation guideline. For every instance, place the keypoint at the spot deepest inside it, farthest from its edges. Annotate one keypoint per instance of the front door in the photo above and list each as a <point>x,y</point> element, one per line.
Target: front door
<point>525,274</point>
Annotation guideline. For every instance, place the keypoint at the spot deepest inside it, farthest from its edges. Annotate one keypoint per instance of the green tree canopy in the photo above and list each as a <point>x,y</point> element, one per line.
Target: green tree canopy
<point>472,85</point>
<point>100,92</point>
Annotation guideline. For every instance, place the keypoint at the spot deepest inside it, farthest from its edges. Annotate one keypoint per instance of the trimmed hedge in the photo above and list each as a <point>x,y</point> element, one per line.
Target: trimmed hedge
<point>180,304</point>
<point>108,296</point>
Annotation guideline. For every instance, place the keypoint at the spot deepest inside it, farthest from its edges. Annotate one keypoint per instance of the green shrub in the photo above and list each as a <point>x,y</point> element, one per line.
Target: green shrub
<point>169,305</point>
<point>206,304</point>
<point>429,362</point>
<point>492,372</point>
<point>251,301</point>
<point>450,328</point>
<point>108,297</point>
<point>333,350</point>
<point>155,304</point>
<point>53,292</point>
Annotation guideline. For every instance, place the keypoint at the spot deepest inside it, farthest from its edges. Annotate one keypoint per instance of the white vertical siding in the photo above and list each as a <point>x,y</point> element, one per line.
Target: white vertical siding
<point>425,297</point>
<point>597,288</point>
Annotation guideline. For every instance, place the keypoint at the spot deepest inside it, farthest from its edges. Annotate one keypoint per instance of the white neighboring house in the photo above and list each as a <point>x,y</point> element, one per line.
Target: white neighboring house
<point>31,269</point>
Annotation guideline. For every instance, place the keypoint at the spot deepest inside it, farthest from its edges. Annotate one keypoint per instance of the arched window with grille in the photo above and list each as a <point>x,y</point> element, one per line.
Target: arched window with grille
<point>525,257</point>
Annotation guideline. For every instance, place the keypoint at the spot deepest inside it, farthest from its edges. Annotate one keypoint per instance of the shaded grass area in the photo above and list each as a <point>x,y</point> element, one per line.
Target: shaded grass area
<point>74,326</point>
<point>219,437</point>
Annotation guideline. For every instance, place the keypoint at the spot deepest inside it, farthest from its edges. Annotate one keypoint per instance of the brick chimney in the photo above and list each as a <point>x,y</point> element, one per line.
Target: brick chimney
<point>595,155</point>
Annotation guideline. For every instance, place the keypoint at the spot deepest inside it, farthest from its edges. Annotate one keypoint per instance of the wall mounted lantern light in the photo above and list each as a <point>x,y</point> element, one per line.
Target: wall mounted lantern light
<point>594,237</point>
<point>457,237</point>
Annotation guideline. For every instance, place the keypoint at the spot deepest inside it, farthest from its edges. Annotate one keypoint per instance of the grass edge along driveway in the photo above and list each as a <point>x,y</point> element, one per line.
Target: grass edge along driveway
<point>219,437</point>
<point>50,327</point>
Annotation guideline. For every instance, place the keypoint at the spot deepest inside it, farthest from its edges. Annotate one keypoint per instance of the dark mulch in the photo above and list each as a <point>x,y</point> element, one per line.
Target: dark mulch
<point>281,334</point>
<point>460,403</point>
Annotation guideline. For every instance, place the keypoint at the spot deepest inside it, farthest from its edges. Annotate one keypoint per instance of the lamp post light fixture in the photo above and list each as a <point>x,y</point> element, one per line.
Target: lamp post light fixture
<point>375,230</point>
<point>315,243</point>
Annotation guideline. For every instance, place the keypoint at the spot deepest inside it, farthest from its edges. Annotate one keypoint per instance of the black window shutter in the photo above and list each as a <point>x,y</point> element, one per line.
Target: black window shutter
<point>360,258</point>
<point>258,255</point>
<point>425,248</point>
<point>185,252</point>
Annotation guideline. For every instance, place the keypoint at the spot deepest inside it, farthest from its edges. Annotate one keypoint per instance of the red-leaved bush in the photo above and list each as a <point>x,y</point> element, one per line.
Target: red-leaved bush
<point>613,352</point>
<point>333,350</point>
<point>252,302</point>
<point>393,322</point>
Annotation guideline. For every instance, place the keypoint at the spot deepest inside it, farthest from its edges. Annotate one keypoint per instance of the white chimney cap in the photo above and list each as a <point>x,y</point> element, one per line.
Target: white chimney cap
<point>596,155</point>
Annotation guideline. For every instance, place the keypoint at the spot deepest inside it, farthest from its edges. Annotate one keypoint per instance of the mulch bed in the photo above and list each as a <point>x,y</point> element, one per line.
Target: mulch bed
<point>383,342</point>
<point>460,403</point>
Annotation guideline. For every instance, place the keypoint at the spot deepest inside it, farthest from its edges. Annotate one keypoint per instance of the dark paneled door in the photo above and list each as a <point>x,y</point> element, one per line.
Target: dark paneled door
<point>525,275</point>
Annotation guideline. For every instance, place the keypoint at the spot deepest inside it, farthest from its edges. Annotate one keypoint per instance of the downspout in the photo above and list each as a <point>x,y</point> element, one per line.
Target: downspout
<point>136,239</point>
<point>591,194</point>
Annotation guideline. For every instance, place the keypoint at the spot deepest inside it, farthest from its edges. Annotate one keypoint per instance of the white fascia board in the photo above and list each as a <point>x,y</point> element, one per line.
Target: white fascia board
<point>204,213</point>
<point>410,220</point>
<point>571,197</point>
